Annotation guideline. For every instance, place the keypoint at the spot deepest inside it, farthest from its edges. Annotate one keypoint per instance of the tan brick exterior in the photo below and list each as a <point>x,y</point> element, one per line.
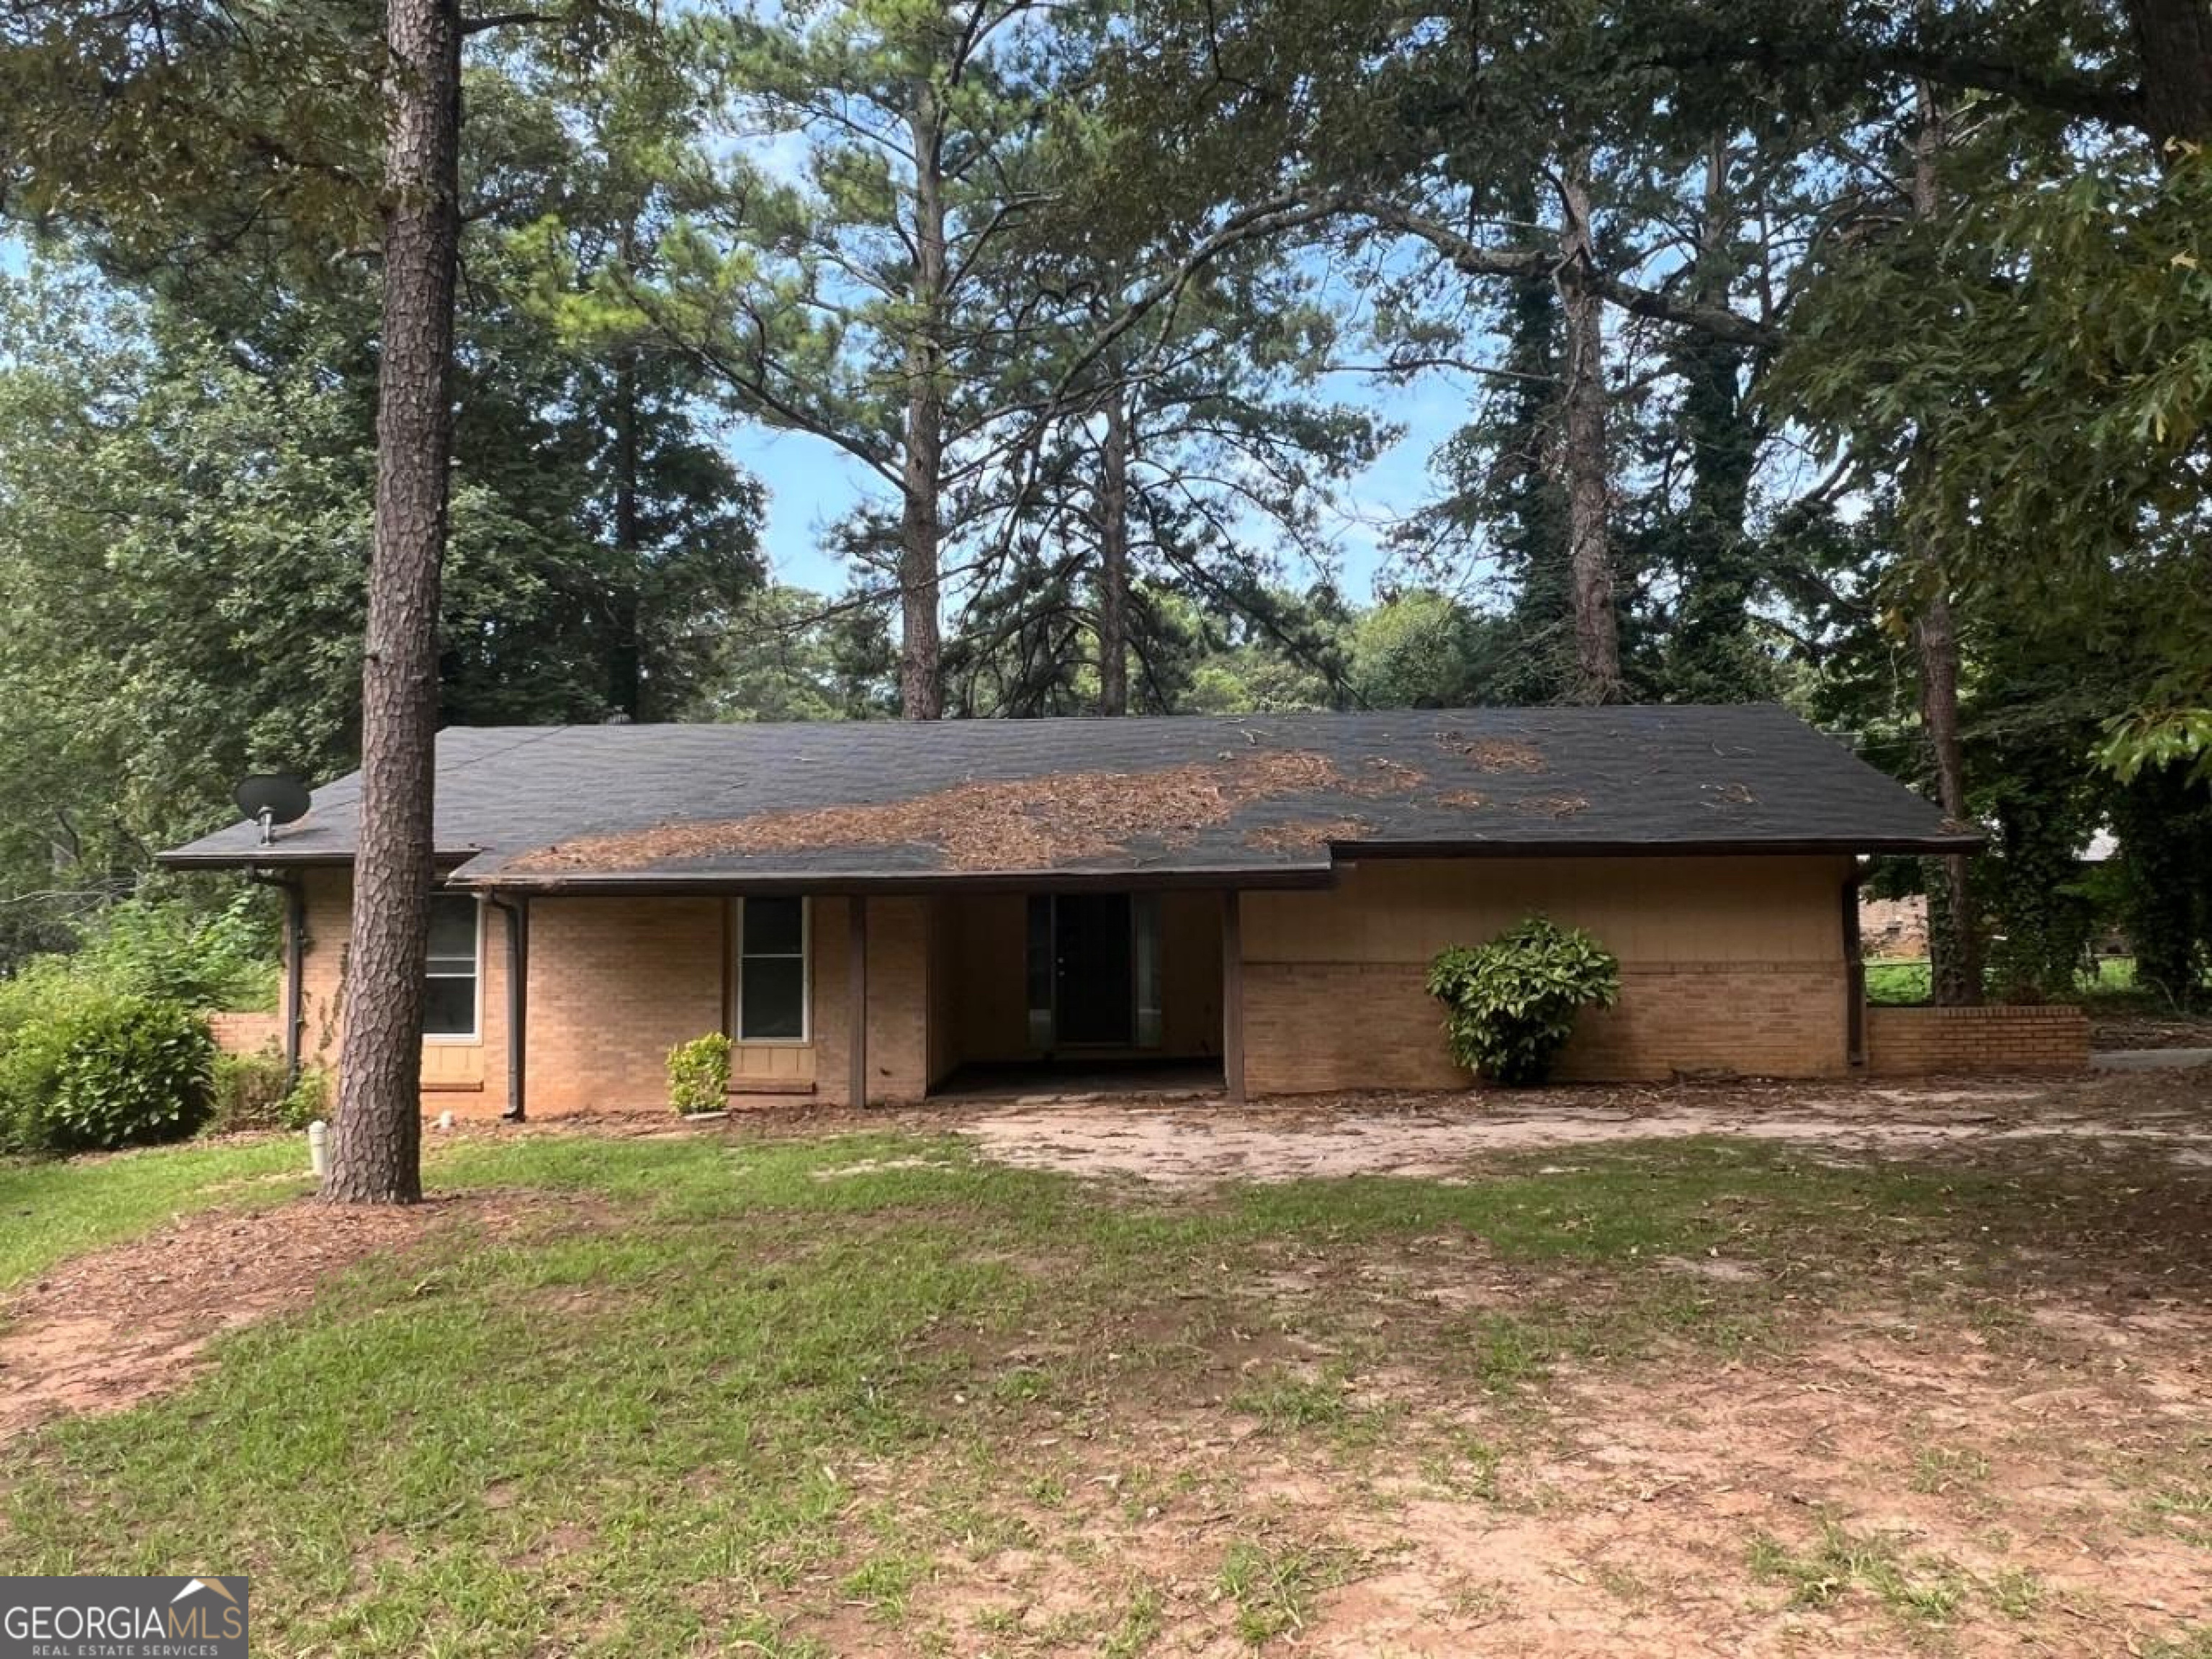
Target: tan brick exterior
<point>1728,965</point>
<point>1316,1028</point>
<point>615,983</point>
<point>246,1033</point>
<point>1921,1042</point>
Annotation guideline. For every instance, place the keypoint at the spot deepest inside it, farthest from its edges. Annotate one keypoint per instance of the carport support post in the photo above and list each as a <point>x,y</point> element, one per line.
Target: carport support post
<point>856,995</point>
<point>1233,997</point>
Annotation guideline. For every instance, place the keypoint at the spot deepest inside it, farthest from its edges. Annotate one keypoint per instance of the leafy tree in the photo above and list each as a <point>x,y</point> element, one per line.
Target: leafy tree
<point>790,654</point>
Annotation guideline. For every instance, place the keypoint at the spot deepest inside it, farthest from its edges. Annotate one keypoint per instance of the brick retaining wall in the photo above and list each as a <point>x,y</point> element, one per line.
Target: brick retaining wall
<point>1917,1041</point>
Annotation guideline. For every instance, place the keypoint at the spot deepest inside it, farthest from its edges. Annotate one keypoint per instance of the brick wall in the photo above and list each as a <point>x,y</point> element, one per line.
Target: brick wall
<point>1728,966</point>
<point>1918,1041</point>
<point>247,1034</point>
<point>615,983</point>
<point>1318,1027</point>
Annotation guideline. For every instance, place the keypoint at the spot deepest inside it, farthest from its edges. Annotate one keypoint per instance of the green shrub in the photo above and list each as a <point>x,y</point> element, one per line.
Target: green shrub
<point>309,1099</point>
<point>132,1070</point>
<point>699,1074</point>
<point>1510,1005</point>
<point>169,951</point>
<point>251,1092</point>
<point>30,1082</point>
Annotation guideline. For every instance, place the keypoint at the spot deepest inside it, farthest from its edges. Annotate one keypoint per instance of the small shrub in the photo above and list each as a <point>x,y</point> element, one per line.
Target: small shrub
<point>699,1074</point>
<point>250,1091</point>
<point>309,1099</point>
<point>131,1072</point>
<point>1510,1005</point>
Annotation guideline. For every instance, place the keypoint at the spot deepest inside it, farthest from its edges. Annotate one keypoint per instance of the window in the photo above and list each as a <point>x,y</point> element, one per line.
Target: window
<point>772,970</point>
<point>449,1001</point>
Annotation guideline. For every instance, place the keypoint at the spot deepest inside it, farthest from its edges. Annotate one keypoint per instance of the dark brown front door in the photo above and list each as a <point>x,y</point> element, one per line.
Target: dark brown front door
<point>1092,967</point>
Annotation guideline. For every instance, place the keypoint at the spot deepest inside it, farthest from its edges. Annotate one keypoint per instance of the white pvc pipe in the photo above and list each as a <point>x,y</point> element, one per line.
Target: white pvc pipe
<point>319,1148</point>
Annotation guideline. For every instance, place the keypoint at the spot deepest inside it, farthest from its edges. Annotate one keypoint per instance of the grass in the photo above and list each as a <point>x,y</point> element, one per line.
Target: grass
<point>1907,982</point>
<point>745,1392</point>
<point>51,1210</point>
<point>1839,1562</point>
<point>1275,1585</point>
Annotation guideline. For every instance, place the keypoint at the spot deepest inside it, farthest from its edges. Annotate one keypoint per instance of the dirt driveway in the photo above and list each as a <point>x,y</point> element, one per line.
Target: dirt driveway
<point>1199,1140</point>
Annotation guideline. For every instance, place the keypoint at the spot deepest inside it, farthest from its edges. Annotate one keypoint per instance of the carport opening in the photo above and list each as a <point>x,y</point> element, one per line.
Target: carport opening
<point>1075,993</point>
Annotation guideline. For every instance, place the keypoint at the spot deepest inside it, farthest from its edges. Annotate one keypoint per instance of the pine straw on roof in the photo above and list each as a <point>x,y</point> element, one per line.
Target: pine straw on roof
<point>996,824</point>
<point>1304,835</point>
<point>1494,754</point>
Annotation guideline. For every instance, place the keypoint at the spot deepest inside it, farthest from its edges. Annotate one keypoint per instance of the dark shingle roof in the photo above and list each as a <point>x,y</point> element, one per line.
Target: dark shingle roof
<point>1246,797</point>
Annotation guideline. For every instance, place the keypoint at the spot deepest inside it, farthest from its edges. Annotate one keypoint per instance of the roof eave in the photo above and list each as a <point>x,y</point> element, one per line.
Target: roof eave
<point>280,857</point>
<point>697,883</point>
<point>1623,846</point>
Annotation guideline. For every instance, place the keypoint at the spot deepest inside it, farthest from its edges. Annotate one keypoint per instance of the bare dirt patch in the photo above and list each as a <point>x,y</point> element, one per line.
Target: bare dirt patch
<point>107,1330</point>
<point>2150,1031</point>
<point>1446,1135</point>
<point>1002,823</point>
<point>1896,1484</point>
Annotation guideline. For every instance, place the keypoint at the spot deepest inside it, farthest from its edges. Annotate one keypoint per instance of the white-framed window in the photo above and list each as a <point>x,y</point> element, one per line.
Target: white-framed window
<point>774,970</point>
<point>454,980</point>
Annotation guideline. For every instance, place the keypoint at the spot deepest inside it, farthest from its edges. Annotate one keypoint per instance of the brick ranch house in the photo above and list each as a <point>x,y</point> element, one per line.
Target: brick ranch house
<point>1251,901</point>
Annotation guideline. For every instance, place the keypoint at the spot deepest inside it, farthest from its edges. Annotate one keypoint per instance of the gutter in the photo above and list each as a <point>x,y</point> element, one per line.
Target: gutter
<point>1855,1041</point>
<point>516,910</point>
<point>295,955</point>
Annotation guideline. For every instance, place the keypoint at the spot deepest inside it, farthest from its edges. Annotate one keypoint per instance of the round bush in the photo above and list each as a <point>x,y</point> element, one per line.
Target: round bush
<point>1510,1005</point>
<point>129,1072</point>
<point>699,1074</point>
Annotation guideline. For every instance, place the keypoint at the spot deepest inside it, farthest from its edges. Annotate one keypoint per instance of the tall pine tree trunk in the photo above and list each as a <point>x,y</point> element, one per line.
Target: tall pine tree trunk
<point>1954,938</point>
<point>625,646</point>
<point>1114,558</point>
<point>921,529</point>
<point>376,1150</point>
<point>1589,553</point>
<point>1712,658</point>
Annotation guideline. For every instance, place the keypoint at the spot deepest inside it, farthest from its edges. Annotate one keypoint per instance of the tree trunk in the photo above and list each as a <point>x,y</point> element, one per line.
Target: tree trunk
<point>376,1150</point>
<point>1589,554</point>
<point>1114,559</point>
<point>921,529</point>
<point>1953,939</point>
<point>2173,41</point>
<point>1712,658</point>
<point>625,650</point>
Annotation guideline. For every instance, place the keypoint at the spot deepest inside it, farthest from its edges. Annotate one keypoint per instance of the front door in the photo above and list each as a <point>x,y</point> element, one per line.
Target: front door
<point>1093,967</point>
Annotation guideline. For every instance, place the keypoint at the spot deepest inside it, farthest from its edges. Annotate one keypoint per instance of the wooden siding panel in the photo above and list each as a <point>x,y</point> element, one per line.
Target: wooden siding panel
<point>1643,910</point>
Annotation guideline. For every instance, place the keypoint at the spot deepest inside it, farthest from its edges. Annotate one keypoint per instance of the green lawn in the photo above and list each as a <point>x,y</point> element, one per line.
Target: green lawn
<point>800,1396</point>
<point>1906,982</point>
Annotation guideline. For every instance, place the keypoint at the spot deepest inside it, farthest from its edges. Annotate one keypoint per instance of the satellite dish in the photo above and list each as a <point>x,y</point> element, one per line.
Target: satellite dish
<point>271,798</point>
